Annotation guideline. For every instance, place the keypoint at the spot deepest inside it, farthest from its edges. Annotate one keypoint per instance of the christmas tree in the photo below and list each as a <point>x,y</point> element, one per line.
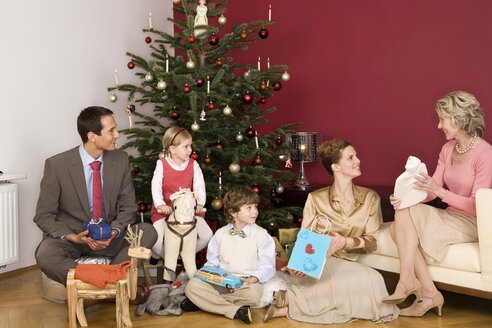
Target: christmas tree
<point>203,90</point>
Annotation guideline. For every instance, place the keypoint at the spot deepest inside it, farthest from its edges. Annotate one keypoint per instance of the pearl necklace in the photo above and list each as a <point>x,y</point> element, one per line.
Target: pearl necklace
<point>467,148</point>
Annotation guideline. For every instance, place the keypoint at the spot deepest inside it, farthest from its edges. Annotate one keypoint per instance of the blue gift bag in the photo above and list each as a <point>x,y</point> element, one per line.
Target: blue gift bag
<point>309,254</point>
<point>98,229</point>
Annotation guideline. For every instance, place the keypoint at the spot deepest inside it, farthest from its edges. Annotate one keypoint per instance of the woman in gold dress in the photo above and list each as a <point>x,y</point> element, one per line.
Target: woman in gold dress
<point>347,290</point>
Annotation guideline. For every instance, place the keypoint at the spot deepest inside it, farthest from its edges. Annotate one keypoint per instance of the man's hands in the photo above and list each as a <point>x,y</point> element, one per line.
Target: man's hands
<point>82,238</point>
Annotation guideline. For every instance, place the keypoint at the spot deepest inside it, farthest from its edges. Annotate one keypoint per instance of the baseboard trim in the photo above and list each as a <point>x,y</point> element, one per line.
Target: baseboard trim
<point>18,271</point>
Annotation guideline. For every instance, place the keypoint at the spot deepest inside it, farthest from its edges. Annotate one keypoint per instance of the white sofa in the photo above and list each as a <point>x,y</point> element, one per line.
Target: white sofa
<point>467,268</point>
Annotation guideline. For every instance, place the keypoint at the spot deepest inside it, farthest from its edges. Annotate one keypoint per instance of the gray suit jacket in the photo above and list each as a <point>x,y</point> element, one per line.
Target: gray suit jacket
<point>63,204</point>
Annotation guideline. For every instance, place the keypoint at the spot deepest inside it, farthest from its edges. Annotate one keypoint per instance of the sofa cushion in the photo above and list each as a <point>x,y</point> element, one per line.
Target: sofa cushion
<point>463,256</point>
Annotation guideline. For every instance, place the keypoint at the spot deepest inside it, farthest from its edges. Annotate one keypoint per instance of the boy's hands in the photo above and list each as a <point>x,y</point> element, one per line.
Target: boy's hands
<point>246,282</point>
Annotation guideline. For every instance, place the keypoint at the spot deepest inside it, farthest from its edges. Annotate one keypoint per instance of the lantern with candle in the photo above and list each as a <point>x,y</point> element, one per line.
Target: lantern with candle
<point>304,150</point>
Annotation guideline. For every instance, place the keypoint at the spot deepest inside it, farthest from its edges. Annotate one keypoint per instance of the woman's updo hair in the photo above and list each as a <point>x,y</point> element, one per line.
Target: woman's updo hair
<point>464,110</point>
<point>331,151</point>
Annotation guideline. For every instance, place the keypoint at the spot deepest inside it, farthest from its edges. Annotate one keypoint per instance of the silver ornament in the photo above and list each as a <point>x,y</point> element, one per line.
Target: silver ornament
<point>113,98</point>
<point>279,189</point>
<point>234,167</point>
<point>149,77</point>
<point>282,157</point>
<point>285,76</point>
<point>161,85</point>
<point>195,126</point>
<point>222,20</point>
<point>190,64</point>
<point>162,154</point>
<point>227,110</point>
<point>239,136</point>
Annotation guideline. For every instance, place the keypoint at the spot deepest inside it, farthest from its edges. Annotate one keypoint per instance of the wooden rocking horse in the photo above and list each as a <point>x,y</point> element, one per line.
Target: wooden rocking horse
<point>123,290</point>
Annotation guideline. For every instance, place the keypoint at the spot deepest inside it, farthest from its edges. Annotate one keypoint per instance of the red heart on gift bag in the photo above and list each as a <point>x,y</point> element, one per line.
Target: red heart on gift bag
<point>309,249</point>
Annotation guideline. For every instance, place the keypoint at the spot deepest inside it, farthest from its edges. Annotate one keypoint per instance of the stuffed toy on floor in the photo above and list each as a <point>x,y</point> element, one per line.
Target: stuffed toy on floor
<point>165,299</point>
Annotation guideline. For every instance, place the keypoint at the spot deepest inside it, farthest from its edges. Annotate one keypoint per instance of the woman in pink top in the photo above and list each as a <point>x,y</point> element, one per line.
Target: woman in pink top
<point>424,233</point>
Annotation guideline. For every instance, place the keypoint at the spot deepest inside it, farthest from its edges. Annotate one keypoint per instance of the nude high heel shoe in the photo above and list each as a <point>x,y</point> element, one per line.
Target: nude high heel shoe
<point>417,309</point>
<point>402,291</point>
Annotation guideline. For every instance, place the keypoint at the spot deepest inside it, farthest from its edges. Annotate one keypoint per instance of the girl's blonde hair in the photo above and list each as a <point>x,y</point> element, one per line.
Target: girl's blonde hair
<point>174,136</point>
<point>464,110</point>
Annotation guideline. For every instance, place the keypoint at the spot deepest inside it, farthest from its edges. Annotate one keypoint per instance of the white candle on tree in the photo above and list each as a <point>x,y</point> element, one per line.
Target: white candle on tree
<point>116,78</point>
<point>259,65</point>
<point>270,13</point>
<point>167,63</point>
<point>150,20</point>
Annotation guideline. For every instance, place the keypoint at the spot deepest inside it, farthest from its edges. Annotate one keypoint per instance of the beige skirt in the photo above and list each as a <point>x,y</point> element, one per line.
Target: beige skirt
<point>347,291</point>
<point>438,229</point>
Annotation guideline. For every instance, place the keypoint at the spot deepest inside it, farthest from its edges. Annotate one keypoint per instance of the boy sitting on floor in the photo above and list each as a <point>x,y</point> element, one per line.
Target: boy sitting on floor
<point>245,250</point>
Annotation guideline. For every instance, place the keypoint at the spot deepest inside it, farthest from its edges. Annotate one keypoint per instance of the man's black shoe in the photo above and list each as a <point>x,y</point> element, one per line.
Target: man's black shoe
<point>244,313</point>
<point>188,306</point>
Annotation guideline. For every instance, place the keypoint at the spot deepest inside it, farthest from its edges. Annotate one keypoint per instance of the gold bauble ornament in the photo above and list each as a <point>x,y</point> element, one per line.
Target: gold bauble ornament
<point>246,74</point>
<point>222,20</point>
<point>176,1</point>
<point>217,203</point>
<point>227,110</point>
<point>285,76</point>
<point>234,167</point>
<point>195,126</point>
<point>282,157</point>
<point>113,98</point>
<point>190,64</point>
<point>161,85</point>
<point>162,154</point>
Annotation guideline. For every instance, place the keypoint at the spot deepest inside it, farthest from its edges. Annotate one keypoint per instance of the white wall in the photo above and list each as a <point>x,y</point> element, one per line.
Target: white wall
<point>58,57</point>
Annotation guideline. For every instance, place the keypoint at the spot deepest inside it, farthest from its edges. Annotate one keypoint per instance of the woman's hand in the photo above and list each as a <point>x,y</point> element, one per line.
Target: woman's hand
<point>337,243</point>
<point>293,273</point>
<point>396,202</point>
<point>426,183</point>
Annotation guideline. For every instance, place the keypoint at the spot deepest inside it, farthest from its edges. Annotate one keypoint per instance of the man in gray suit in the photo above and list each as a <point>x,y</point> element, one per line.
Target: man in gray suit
<point>66,198</point>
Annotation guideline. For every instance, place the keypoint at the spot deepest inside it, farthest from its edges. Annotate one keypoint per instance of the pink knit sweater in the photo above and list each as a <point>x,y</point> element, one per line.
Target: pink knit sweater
<point>462,181</point>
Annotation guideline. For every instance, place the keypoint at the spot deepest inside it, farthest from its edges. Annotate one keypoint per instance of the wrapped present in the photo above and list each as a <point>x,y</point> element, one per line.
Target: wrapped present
<point>287,235</point>
<point>281,258</point>
<point>98,229</point>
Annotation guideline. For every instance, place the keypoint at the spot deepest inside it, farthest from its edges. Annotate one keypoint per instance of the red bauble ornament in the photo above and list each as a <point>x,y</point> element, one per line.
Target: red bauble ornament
<point>207,160</point>
<point>279,140</point>
<point>273,193</point>
<point>194,156</point>
<point>211,106</point>
<point>219,62</point>
<point>263,33</point>
<point>219,144</point>
<point>136,170</point>
<point>247,98</point>
<point>277,86</point>
<point>199,82</point>
<point>191,39</point>
<point>263,86</point>
<point>244,35</point>
<point>213,40</point>
<point>130,108</point>
<point>258,160</point>
<point>250,132</point>
<point>175,115</point>
<point>142,207</point>
<point>186,89</point>
<point>131,65</point>
<point>256,189</point>
<point>148,39</point>
<point>263,100</point>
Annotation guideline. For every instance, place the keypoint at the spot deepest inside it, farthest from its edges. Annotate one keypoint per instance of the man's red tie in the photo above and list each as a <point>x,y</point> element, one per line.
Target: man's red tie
<point>96,190</point>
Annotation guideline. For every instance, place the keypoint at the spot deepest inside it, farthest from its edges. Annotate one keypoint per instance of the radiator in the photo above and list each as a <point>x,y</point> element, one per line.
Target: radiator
<point>9,226</point>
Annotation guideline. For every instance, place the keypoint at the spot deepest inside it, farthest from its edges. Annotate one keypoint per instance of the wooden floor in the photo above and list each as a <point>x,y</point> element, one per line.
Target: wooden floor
<point>21,306</point>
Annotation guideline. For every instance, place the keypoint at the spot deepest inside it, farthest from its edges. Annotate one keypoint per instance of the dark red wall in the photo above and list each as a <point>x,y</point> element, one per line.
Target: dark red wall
<point>370,71</point>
